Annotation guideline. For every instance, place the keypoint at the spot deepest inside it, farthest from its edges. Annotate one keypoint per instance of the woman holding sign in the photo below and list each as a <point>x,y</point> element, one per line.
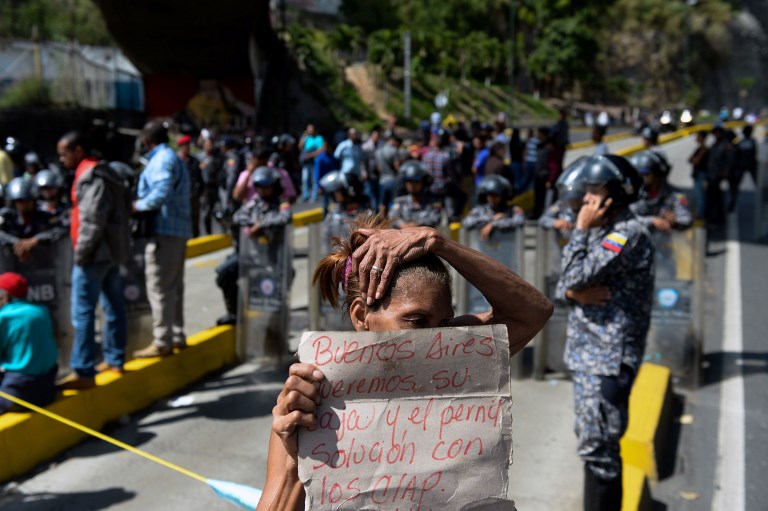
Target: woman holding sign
<point>392,280</point>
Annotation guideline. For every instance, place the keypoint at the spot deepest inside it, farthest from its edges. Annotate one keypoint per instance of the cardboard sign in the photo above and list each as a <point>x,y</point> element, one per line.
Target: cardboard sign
<point>411,420</point>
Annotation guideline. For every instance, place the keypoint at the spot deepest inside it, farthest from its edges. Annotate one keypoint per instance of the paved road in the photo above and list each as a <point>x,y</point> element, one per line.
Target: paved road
<point>219,427</point>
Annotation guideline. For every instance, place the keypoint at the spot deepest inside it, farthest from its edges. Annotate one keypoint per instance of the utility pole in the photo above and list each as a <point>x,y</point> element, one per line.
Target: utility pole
<point>407,73</point>
<point>512,20</point>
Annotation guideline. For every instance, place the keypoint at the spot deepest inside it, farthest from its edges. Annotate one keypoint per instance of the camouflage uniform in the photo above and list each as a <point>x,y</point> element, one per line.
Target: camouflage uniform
<point>43,226</point>
<point>428,212</point>
<point>270,216</point>
<point>557,211</point>
<point>605,345</point>
<point>669,198</point>
<point>646,208</point>
<point>483,214</point>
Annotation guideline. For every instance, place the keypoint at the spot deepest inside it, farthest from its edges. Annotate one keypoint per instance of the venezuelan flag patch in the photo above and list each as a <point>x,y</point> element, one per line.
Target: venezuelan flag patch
<point>614,242</point>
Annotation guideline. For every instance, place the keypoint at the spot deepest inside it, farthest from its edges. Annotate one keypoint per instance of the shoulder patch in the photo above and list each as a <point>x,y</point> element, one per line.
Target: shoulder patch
<point>614,242</point>
<point>682,198</point>
<point>231,161</point>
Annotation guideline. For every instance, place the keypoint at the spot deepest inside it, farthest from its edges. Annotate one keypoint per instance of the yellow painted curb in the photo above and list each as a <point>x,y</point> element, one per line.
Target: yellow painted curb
<point>311,216</point>
<point>649,415</point>
<point>524,201</point>
<point>27,439</point>
<point>207,244</point>
<point>636,495</point>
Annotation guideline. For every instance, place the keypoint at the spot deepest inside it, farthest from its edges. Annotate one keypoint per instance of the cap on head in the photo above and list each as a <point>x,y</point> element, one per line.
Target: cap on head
<point>14,284</point>
<point>184,140</point>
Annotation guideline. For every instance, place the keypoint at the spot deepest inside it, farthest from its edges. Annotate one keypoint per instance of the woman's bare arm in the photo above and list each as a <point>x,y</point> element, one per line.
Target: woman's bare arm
<point>514,302</point>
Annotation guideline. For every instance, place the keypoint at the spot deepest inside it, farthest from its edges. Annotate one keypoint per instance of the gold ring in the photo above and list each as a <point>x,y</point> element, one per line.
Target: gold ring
<point>376,268</point>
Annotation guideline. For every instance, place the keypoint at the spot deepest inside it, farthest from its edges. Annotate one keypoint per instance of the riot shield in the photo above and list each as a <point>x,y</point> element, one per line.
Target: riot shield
<point>49,274</point>
<point>332,319</point>
<point>264,299</point>
<point>505,247</point>
<point>137,308</point>
<point>551,345</point>
<point>674,338</point>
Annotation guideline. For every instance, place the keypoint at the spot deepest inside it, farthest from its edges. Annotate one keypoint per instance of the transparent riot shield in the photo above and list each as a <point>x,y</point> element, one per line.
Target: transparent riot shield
<point>505,247</point>
<point>137,309</point>
<point>550,345</point>
<point>332,319</point>
<point>675,335</point>
<point>264,299</point>
<point>49,274</point>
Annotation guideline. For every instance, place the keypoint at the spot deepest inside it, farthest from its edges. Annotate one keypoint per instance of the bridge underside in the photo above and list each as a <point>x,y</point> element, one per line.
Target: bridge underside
<point>198,37</point>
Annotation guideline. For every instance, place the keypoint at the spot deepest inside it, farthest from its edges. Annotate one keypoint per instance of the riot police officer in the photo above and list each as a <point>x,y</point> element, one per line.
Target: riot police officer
<point>22,224</point>
<point>50,186</point>
<point>418,207</point>
<point>561,215</point>
<point>607,279</point>
<point>231,167</point>
<point>493,211</point>
<point>258,217</point>
<point>346,189</point>
<point>660,206</point>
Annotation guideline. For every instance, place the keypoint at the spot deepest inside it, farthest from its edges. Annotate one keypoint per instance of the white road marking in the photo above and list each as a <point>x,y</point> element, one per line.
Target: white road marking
<point>729,474</point>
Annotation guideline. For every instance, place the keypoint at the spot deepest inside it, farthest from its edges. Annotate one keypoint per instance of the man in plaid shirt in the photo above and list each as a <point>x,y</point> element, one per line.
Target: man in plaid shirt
<point>163,192</point>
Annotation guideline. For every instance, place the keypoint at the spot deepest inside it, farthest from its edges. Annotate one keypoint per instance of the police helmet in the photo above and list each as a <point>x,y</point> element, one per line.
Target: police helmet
<point>570,187</point>
<point>650,162</point>
<point>650,135</point>
<point>265,176</point>
<point>47,178</point>
<point>286,139</point>
<point>495,184</point>
<point>414,171</point>
<point>346,182</point>
<point>31,158</point>
<point>615,173</point>
<point>20,188</point>
<point>124,171</point>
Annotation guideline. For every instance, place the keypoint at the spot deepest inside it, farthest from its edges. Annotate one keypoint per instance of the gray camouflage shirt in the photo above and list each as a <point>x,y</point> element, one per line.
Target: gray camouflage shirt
<point>621,257</point>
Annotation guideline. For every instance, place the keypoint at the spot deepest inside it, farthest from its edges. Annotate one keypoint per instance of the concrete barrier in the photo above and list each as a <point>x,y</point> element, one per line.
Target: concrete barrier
<point>207,244</point>
<point>27,439</point>
<point>649,420</point>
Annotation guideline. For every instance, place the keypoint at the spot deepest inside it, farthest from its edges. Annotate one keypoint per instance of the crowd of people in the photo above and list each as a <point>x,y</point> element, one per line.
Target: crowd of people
<point>390,194</point>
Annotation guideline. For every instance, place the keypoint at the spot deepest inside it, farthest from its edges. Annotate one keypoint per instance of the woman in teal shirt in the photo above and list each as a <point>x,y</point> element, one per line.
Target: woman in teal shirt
<point>28,350</point>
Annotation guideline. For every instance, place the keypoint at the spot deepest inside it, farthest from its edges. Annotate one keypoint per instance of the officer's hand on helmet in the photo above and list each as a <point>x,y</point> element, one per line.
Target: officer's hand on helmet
<point>486,231</point>
<point>592,212</point>
<point>662,224</point>
<point>598,296</point>
<point>562,225</point>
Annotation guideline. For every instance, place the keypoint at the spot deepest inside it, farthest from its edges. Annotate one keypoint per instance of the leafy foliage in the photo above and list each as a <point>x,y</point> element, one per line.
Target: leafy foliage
<point>55,20</point>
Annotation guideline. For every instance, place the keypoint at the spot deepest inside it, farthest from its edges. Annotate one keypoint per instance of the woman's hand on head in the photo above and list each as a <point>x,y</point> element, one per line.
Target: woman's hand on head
<point>377,259</point>
<point>296,404</point>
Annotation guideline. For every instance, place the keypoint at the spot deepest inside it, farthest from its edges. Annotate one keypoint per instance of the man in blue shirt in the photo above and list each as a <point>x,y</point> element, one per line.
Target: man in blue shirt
<point>28,350</point>
<point>164,190</point>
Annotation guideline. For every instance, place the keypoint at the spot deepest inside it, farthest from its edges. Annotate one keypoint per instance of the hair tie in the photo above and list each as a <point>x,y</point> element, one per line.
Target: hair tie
<point>347,271</point>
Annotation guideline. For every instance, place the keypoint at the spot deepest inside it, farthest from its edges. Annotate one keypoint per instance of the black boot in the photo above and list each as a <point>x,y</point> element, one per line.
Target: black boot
<point>601,494</point>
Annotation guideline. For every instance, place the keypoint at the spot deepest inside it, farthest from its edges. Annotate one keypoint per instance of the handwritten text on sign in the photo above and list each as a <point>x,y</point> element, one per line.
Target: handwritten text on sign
<point>410,420</point>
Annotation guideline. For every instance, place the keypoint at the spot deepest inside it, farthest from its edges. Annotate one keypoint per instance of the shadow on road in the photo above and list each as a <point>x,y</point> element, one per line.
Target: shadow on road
<point>720,366</point>
<point>46,501</point>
